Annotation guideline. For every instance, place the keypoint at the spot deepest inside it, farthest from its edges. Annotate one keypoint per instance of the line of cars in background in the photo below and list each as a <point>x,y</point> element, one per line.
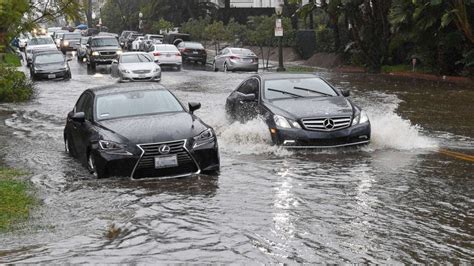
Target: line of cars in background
<point>103,48</point>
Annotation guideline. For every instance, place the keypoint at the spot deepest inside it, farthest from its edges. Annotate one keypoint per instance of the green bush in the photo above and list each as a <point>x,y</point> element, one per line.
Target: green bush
<point>14,85</point>
<point>324,40</point>
<point>11,60</point>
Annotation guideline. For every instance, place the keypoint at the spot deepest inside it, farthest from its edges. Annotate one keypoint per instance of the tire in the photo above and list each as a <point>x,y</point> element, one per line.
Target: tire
<point>178,68</point>
<point>91,166</point>
<point>93,65</point>
<point>225,67</point>
<point>214,66</point>
<point>68,75</point>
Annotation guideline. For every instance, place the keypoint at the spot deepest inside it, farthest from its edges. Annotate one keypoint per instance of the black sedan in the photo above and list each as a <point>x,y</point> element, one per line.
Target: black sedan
<point>49,64</point>
<point>139,131</point>
<point>301,111</point>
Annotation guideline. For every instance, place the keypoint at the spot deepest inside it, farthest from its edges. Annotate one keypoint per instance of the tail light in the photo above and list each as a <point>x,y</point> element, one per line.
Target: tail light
<point>156,53</point>
<point>234,58</point>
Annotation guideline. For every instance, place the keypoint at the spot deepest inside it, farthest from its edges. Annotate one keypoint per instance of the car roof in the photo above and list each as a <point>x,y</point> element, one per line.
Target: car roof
<point>49,51</point>
<point>125,87</point>
<point>273,76</point>
<point>103,37</point>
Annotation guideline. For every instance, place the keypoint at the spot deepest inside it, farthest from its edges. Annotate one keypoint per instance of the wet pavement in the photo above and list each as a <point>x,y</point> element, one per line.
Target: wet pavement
<point>400,199</point>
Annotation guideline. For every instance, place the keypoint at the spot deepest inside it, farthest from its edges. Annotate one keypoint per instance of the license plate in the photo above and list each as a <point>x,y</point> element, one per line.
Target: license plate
<point>142,76</point>
<point>166,161</point>
<point>195,53</point>
<point>168,55</point>
<point>248,60</point>
<point>52,76</point>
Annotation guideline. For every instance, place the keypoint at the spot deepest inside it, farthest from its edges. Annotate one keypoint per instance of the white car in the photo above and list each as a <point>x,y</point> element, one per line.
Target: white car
<point>136,43</point>
<point>38,43</point>
<point>136,66</point>
<point>166,55</point>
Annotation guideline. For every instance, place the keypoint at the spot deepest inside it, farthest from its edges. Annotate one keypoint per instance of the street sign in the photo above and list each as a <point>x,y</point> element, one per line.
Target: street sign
<point>278,28</point>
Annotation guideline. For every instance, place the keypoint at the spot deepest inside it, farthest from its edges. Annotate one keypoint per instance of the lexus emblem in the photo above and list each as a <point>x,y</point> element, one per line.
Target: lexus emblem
<point>164,149</point>
<point>328,123</point>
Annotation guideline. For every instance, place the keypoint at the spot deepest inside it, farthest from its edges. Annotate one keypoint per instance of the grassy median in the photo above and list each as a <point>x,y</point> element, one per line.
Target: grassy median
<point>15,200</point>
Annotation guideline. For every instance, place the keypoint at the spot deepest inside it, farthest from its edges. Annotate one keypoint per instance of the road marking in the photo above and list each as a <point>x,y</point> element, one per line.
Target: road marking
<point>458,155</point>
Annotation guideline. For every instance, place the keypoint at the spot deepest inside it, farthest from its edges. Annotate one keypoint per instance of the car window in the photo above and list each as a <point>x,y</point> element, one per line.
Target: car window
<point>80,105</point>
<point>194,45</point>
<point>104,42</point>
<point>39,41</point>
<point>88,108</point>
<point>49,58</point>
<point>73,36</point>
<point>136,103</point>
<point>135,58</point>
<point>297,87</point>
<point>250,86</point>
<point>166,48</point>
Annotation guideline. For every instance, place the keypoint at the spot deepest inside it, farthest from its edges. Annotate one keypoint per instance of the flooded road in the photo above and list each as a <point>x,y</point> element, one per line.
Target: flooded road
<point>398,199</point>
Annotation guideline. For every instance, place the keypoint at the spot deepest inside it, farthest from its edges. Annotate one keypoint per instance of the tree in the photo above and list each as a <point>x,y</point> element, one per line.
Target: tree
<point>18,16</point>
<point>162,25</point>
<point>217,33</point>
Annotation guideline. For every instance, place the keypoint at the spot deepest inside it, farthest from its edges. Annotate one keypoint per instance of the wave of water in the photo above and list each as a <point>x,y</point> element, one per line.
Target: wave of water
<point>389,131</point>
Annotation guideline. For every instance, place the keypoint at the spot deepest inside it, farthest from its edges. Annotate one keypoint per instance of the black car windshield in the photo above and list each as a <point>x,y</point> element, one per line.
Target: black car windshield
<point>297,87</point>
<point>104,42</point>
<point>74,36</point>
<point>39,41</point>
<point>136,103</point>
<point>135,58</point>
<point>49,58</point>
<point>193,45</point>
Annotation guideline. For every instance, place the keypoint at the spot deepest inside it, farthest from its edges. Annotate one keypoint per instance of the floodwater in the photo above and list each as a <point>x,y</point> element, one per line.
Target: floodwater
<point>400,199</point>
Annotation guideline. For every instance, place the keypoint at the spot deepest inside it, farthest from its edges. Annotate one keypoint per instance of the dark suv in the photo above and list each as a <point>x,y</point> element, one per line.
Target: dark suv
<point>102,50</point>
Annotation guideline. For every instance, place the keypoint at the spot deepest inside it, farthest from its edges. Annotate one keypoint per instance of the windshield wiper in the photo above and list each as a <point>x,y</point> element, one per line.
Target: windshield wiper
<point>310,90</point>
<point>285,92</point>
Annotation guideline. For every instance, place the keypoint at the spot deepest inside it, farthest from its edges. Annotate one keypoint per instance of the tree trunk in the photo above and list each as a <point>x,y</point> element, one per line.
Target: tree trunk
<point>90,23</point>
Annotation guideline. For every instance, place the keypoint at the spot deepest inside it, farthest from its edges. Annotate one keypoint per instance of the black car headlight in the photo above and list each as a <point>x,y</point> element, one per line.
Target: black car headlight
<point>113,147</point>
<point>205,137</point>
<point>361,118</point>
<point>282,122</point>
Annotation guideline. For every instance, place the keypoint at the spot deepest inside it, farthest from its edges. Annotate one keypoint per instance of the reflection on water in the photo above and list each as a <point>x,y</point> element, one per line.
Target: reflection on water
<point>394,201</point>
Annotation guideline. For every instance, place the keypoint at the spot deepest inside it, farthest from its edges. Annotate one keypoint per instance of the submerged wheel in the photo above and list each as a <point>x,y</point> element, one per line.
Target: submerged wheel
<point>225,67</point>
<point>214,67</point>
<point>91,166</point>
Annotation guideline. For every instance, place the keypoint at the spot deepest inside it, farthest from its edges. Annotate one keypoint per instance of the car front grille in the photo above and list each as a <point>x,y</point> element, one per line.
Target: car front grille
<point>326,123</point>
<point>141,71</point>
<point>146,165</point>
<point>107,53</point>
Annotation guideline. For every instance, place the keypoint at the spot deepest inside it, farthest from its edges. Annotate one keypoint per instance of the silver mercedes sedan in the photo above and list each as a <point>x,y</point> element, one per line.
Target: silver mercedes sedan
<point>231,59</point>
<point>136,66</point>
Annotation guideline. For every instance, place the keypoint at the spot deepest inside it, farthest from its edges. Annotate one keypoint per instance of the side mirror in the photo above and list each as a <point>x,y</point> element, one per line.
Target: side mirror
<point>79,117</point>
<point>193,106</point>
<point>345,92</point>
<point>248,97</point>
<point>88,45</point>
<point>114,61</point>
<point>69,59</point>
<point>157,61</point>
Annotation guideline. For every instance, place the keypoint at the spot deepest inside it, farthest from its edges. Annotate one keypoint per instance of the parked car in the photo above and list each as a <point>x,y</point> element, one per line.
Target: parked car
<point>149,40</point>
<point>192,51</point>
<point>50,65</point>
<point>301,111</point>
<point>52,30</point>
<point>136,66</point>
<point>102,50</point>
<point>38,43</point>
<point>136,43</point>
<point>123,37</point>
<point>176,38</point>
<point>166,55</point>
<point>82,48</point>
<point>69,42</point>
<point>130,39</point>
<point>235,59</point>
<point>166,139</point>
